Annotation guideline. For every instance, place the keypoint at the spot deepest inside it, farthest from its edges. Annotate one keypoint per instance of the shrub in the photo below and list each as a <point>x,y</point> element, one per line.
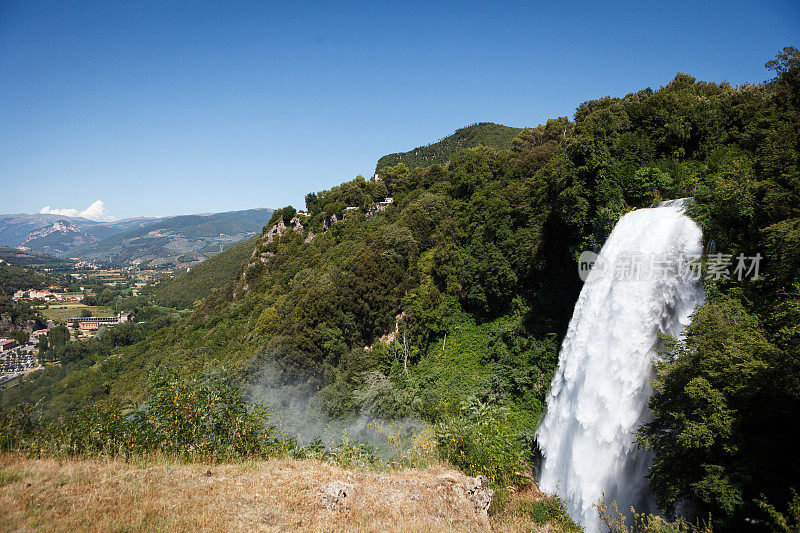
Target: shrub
<point>15,425</point>
<point>423,449</point>
<point>203,416</point>
<point>353,454</point>
<point>101,429</point>
<point>548,509</point>
<point>614,519</point>
<point>480,439</point>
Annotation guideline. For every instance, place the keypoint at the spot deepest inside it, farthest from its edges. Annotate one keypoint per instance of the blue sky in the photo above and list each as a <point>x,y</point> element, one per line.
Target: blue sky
<point>161,108</point>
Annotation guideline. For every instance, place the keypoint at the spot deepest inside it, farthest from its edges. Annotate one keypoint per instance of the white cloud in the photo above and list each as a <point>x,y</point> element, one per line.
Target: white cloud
<point>96,211</point>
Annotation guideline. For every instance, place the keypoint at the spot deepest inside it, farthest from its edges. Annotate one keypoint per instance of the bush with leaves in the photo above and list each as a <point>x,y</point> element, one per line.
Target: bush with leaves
<point>102,429</point>
<point>616,521</point>
<point>547,510</point>
<point>202,416</point>
<point>780,521</point>
<point>15,425</point>
<point>480,439</point>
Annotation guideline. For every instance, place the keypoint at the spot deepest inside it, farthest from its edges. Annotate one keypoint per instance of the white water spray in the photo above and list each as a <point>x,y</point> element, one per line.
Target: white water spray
<point>601,386</point>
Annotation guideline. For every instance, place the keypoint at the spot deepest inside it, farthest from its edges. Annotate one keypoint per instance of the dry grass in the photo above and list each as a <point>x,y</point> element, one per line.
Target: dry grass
<point>274,495</point>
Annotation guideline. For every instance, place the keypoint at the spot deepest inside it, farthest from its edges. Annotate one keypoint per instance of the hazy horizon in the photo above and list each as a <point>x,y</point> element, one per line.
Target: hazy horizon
<point>66,213</point>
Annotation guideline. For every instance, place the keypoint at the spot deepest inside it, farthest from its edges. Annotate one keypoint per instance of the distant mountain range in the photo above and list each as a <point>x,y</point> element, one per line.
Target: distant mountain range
<point>59,234</point>
<point>146,242</point>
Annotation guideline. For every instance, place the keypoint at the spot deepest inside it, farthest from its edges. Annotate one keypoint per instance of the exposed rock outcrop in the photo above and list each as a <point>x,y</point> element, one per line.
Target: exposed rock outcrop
<point>476,490</point>
<point>280,228</point>
<point>330,221</point>
<point>452,492</point>
<point>60,226</point>
<point>335,494</point>
<point>374,210</point>
<point>262,257</point>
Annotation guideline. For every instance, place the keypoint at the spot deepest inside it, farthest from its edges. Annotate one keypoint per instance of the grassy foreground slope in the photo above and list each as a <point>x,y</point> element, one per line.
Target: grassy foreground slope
<point>274,495</point>
<point>186,288</point>
<point>488,134</point>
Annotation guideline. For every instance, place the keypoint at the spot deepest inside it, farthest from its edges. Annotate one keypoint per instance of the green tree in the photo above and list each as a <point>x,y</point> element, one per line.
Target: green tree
<point>19,335</point>
<point>391,176</point>
<point>43,345</point>
<point>288,214</point>
<point>58,336</point>
<point>312,203</point>
<point>709,431</point>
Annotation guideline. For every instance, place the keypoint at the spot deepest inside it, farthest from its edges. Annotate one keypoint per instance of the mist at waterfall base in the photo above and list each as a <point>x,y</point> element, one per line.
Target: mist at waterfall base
<point>601,387</point>
<point>296,411</point>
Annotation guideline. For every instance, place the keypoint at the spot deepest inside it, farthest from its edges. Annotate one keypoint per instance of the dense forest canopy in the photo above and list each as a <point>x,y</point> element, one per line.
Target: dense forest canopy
<point>14,278</point>
<point>488,134</point>
<point>462,287</point>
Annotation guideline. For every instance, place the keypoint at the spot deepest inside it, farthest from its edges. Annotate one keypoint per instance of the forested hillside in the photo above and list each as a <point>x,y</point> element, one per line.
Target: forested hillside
<point>487,134</point>
<point>59,234</point>
<point>31,258</point>
<point>176,241</point>
<point>13,276</point>
<point>184,289</point>
<point>448,305</point>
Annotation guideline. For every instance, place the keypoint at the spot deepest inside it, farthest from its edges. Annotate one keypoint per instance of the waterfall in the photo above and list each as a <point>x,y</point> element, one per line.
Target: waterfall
<point>639,287</point>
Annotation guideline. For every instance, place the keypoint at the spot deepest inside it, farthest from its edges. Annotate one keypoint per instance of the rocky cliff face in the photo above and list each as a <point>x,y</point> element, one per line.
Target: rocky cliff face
<point>262,254</point>
<point>60,226</point>
<point>57,238</point>
<point>279,229</point>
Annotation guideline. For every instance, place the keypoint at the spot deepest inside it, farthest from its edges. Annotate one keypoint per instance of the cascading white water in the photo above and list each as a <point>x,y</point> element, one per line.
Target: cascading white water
<point>600,390</point>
